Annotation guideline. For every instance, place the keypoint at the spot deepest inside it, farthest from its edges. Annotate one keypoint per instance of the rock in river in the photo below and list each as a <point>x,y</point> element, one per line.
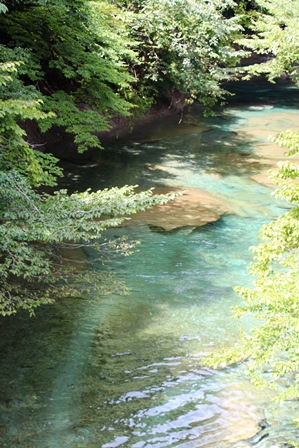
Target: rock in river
<point>194,208</point>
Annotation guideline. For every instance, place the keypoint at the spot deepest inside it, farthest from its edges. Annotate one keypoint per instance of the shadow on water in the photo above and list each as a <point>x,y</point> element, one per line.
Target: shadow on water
<point>204,143</point>
<point>154,163</point>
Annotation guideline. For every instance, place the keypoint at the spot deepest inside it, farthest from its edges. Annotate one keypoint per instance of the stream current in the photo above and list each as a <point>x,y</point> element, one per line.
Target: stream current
<point>128,371</point>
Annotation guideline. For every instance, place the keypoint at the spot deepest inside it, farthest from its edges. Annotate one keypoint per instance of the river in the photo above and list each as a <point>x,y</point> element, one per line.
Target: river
<point>128,371</point>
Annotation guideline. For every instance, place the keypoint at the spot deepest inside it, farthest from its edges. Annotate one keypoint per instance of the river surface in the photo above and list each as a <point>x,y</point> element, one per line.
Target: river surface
<point>128,371</point>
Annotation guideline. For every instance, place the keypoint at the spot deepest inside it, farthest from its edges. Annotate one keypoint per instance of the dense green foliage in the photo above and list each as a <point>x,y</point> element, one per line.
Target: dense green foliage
<point>187,46</point>
<point>275,34</point>
<point>89,60</point>
<point>15,153</point>
<point>42,236</point>
<point>73,57</point>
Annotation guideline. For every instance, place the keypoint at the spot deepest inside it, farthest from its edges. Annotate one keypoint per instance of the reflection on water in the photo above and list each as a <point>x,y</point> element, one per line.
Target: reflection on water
<point>128,371</point>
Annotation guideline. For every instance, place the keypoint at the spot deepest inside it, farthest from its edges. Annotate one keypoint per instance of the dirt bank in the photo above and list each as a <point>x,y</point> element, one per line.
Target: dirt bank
<point>61,144</point>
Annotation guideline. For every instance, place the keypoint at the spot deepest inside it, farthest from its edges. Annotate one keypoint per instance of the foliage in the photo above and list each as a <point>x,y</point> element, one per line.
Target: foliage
<point>247,12</point>
<point>15,153</point>
<point>3,8</point>
<point>187,46</point>
<point>275,33</point>
<point>39,233</point>
<point>273,347</point>
<point>75,55</point>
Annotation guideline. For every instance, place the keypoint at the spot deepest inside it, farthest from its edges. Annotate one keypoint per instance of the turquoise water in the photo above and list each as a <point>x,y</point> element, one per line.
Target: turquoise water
<point>129,371</point>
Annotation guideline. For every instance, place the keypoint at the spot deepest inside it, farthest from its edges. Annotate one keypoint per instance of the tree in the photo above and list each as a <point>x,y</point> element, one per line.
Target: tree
<point>15,152</point>
<point>37,230</point>
<point>272,349</point>
<point>38,233</point>
<point>275,32</point>
<point>74,56</point>
<point>77,55</point>
<point>185,46</point>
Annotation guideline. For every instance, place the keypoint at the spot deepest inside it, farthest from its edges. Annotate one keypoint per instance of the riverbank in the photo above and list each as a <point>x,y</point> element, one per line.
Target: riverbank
<point>61,144</point>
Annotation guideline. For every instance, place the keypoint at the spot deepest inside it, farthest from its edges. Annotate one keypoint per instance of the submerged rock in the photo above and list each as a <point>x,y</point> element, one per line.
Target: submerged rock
<point>259,129</point>
<point>195,208</point>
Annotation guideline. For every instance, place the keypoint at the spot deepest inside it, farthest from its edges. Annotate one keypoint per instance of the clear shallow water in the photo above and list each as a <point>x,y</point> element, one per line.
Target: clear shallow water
<point>128,371</point>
